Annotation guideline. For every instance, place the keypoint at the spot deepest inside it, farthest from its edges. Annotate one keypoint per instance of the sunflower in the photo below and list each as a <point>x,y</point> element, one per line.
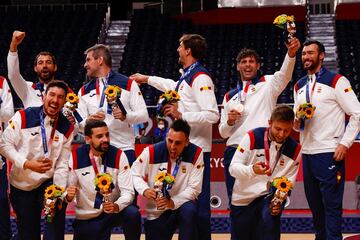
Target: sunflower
<point>170,96</point>
<point>49,191</point>
<point>112,91</point>
<point>160,177</point>
<point>174,94</point>
<point>283,184</point>
<point>72,98</point>
<point>103,181</point>
<point>305,111</point>
<point>309,113</point>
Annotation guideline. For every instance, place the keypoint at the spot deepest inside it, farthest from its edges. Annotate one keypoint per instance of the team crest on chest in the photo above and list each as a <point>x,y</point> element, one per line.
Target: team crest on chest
<point>318,89</point>
<point>253,89</point>
<point>183,169</point>
<point>282,162</point>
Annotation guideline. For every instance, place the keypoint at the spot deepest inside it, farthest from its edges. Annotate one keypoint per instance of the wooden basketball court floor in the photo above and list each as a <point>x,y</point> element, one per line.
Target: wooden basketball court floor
<point>287,236</point>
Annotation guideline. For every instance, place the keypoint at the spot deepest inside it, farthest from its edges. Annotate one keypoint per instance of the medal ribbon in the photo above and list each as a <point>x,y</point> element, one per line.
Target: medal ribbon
<point>176,169</point>
<point>267,152</point>
<point>46,146</point>
<point>99,197</point>
<point>243,93</point>
<point>186,73</point>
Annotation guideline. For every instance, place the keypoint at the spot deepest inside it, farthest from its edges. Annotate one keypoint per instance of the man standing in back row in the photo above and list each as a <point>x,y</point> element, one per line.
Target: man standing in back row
<point>45,67</point>
<point>197,106</point>
<point>93,103</point>
<point>256,97</point>
<point>324,138</point>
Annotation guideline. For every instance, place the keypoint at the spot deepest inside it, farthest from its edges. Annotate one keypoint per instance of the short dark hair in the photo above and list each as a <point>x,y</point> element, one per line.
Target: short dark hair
<point>44,54</point>
<point>321,47</point>
<point>246,52</point>
<point>101,50</point>
<point>180,125</point>
<point>59,84</point>
<point>196,43</point>
<point>282,113</point>
<point>92,123</point>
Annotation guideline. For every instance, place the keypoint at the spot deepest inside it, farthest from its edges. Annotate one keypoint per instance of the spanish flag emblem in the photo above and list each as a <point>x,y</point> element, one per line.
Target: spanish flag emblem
<point>205,88</point>
<point>56,138</point>
<point>11,124</point>
<point>349,89</point>
<point>240,149</point>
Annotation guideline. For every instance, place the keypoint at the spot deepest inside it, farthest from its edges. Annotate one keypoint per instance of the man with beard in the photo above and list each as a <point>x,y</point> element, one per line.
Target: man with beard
<point>92,221</point>
<point>93,103</point>
<point>197,106</point>
<point>176,206</point>
<point>30,93</point>
<point>324,137</point>
<point>37,141</point>
<point>262,155</point>
<point>250,104</point>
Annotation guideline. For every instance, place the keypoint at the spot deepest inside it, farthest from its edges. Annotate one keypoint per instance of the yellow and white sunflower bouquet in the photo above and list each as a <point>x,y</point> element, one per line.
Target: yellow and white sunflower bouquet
<point>305,111</point>
<point>104,184</point>
<point>287,23</point>
<point>282,187</point>
<point>70,106</point>
<point>53,198</point>
<point>168,97</point>
<point>112,92</point>
<point>72,101</point>
<point>281,20</point>
<point>163,182</point>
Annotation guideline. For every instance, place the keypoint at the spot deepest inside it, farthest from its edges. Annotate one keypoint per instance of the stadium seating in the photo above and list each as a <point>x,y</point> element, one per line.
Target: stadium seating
<point>348,46</point>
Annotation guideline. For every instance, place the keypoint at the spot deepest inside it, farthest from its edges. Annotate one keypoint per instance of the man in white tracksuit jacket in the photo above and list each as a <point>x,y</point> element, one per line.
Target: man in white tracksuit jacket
<point>258,97</point>
<point>197,106</point>
<point>262,155</point>
<point>325,138</point>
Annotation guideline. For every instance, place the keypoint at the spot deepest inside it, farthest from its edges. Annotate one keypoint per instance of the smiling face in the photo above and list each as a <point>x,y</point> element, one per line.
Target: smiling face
<point>248,67</point>
<point>175,143</point>
<point>280,130</point>
<point>311,58</point>
<point>54,100</point>
<point>45,68</point>
<point>99,140</point>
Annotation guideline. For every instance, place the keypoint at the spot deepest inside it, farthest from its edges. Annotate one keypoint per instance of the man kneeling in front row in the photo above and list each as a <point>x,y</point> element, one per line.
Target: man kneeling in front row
<point>263,155</point>
<point>98,211</point>
<point>174,170</point>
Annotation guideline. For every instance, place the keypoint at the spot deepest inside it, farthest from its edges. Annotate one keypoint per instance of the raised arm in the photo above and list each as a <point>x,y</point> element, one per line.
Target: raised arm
<point>17,81</point>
